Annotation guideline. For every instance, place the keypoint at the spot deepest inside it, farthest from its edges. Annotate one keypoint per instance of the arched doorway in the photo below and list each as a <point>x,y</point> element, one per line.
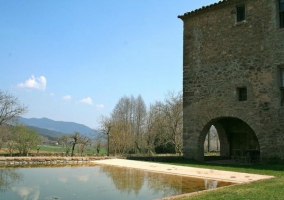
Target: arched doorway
<point>237,140</point>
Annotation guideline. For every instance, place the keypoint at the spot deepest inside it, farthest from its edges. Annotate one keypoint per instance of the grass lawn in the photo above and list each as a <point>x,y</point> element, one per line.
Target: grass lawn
<point>267,189</point>
<point>56,149</point>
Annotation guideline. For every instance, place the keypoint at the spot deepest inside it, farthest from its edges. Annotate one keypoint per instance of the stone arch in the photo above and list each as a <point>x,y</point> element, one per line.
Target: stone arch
<point>234,135</point>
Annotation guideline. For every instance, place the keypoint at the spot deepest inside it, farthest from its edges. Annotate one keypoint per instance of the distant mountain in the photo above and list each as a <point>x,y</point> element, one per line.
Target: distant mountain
<point>58,126</point>
<point>45,132</point>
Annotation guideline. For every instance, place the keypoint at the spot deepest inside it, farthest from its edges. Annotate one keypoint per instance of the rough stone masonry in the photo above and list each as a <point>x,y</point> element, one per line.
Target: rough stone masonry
<point>233,78</point>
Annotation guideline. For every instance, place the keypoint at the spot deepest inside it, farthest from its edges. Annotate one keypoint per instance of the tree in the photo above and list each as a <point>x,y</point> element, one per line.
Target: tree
<point>83,142</point>
<point>106,126</point>
<point>98,142</point>
<point>131,128</point>
<point>5,134</point>
<point>75,139</point>
<point>66,142</point>
<point>25,139</point>
<point>173,113</point>
<point>140,113</point>
<point>10,107</point>
<point>156,133</point>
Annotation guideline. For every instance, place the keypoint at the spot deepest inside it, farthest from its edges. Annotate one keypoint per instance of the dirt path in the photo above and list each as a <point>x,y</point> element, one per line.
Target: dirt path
<point>228,176</point>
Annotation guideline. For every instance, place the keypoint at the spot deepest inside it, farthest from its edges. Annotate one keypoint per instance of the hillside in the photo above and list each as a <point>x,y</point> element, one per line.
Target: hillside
<point>57,127</point>
<point>46,132</point>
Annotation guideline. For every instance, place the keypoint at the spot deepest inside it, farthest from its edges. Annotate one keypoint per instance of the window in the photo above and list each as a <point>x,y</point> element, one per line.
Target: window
<point>242,92</point>
<point>241,12</point>
<point>282,85</point>
<point>281,13</point>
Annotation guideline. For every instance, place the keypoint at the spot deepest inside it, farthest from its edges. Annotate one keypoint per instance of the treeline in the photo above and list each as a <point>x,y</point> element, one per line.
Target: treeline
<point>134,128</point>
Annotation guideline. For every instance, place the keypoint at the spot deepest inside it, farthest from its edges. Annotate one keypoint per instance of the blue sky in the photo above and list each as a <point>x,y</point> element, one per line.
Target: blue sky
<point>72,60</point>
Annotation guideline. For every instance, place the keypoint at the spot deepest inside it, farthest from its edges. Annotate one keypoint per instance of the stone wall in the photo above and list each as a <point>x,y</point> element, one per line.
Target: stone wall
<point>220,56</point>
<point>20,161</point>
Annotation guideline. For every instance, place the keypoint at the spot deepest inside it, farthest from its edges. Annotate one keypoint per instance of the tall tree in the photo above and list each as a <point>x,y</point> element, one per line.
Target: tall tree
<point>10,107</point>
<point>154,132</point>
<point>105,128</point>
<point>98,142</point>
<point>173,113</point>
<point>140,113</point>
<point>74,140</point>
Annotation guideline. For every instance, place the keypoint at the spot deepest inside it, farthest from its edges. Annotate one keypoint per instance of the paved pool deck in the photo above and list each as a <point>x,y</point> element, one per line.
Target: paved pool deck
<point>234,177</point>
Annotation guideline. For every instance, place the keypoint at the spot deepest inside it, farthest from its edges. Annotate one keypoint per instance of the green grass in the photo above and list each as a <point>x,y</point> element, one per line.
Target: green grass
<point>51,148</point>
<point>266,189</point>
<point>59,149</point>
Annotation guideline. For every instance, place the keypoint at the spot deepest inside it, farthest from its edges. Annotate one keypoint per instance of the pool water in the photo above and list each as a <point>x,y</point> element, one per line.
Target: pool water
<point>95,182</point>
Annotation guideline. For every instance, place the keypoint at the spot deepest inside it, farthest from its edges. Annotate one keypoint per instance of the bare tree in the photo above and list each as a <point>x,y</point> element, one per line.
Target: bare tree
<point>98,142</point>
<point>66,142</point>
<point>106,127</point>
<point>83,142</point>
<point>123,129</point>
<point>140,113</point>
<point>74,140</point>
<point>25,139</point>
<point>132,129</point>
<point>172,111</point>
<point>10,107</point>
<point>154,131</point>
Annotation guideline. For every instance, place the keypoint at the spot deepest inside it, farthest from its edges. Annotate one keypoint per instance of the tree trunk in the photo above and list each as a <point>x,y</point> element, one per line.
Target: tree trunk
<point>73,148</point>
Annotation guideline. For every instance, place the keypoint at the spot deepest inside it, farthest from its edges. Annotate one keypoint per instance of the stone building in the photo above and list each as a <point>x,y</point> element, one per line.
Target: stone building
<point>233,78</point>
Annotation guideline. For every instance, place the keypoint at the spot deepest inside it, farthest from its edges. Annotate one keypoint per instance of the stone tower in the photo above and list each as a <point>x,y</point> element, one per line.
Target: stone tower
<point>233,78</point>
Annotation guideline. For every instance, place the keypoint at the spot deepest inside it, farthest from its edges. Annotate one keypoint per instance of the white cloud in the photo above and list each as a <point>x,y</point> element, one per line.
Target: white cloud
<point>52,94</point>
<point>100,106</point>
<point>66,98</point>
<point>83,178</point>
<point>32,192</point>
<point>62,179</point>
<point>38,83</point>
<point>87,100</point>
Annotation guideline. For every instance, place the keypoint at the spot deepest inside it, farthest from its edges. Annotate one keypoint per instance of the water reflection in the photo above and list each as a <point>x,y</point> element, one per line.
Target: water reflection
<point>31,192</point>
<point>124,179</point>
<point>132,180</point>
<point>95,182</point>
<point>8,177</point>
<point>210,184</point>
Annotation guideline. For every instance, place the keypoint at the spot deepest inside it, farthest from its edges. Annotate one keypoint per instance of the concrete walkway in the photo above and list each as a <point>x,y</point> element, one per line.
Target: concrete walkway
<point>219,175</point>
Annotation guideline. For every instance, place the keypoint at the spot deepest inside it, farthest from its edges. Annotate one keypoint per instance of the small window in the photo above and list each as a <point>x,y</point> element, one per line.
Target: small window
<point>281,13</point>
<point>241,13</point>
<point>242,92</point>
<point>282,85</point>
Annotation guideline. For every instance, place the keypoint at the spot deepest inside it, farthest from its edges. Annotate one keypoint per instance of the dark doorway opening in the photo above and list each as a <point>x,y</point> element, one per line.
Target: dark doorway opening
<point>237,140</point>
